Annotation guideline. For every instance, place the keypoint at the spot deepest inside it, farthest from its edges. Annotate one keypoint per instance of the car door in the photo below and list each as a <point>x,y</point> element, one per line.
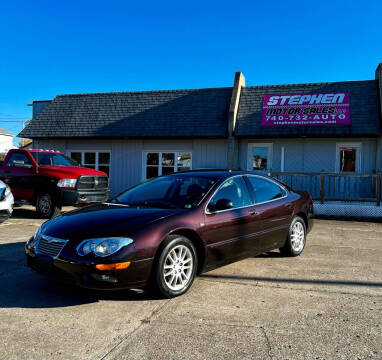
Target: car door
<point>273,211</point>
<point>19,172</point>
<point>226,231</point>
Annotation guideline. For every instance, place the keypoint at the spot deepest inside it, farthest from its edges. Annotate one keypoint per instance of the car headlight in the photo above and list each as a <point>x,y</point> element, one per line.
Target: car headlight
<point>67,183</point>
<point>102,246</point>
<point>36,236</point>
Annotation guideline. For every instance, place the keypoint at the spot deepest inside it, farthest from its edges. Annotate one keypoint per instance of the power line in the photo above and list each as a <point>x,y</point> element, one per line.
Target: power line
<point>14,121</point>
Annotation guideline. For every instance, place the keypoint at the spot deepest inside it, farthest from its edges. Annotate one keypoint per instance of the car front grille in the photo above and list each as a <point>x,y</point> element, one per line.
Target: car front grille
<point>93,183</point>
<point>50,246</point>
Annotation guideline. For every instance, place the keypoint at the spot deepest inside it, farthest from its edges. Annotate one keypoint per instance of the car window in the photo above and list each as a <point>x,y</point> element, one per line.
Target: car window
<point>18,159</point>
<point>50,159</point>
<point>265,190</point>
<point>181,191</point>
<point>234,190</point>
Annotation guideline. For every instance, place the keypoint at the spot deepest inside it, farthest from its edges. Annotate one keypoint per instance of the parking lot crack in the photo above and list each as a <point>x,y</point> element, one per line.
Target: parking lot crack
<point>257,284</point>
<point>144,321</point>
<point>269,347</point>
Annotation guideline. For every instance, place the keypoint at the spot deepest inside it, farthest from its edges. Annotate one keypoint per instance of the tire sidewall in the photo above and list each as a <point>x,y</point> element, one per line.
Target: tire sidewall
<point>300,220</point>
<point>171,243</point>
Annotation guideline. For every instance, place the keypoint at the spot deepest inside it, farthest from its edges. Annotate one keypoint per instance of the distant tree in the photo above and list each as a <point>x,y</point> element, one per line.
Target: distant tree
<point>24,142</point>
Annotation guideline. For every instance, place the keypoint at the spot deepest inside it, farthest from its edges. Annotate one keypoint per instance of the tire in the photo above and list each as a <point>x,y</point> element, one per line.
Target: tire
<point>296,240</point>
<point>3,218</point>
<point>178,259</point>
<point>46,206</point>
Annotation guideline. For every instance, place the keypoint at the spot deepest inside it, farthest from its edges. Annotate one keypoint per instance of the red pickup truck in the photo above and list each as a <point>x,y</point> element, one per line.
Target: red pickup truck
<point>49,180</point>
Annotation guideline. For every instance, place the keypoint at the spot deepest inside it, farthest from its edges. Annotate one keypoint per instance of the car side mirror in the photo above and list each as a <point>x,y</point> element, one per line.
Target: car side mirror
<point>221,204</point>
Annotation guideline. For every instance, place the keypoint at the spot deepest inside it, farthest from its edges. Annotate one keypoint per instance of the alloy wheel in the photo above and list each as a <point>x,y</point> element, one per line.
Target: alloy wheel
<point>297,237</point>
<point>178,267</point>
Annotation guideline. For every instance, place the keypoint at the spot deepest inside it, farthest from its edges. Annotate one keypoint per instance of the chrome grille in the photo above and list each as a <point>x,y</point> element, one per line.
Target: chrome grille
<point>50,246</point>
<point>93,182</point>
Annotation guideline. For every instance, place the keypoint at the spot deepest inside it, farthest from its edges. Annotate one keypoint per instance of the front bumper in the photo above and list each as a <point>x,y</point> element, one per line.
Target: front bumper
<point>85,275</point>
<point>75,197</point>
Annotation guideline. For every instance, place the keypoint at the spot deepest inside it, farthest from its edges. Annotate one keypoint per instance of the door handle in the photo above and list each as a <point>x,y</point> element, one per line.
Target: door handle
<point>253,213</point>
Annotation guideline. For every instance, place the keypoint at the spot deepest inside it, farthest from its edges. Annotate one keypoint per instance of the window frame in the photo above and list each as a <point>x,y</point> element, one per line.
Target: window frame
<point>358,160</point>
<point>160,152</point>
<point>250,192</point>
<point>69,154</point>
<point>286,192</point>
<point>251,145</point>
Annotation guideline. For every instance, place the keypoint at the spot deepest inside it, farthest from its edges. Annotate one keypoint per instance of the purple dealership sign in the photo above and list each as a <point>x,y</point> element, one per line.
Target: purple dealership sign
<point>306,109</point>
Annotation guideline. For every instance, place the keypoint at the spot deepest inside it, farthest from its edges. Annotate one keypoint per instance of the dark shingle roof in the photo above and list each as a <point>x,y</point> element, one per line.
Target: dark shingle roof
<point>173,113</point>
<point>5,132</point>
<point>364,110</point>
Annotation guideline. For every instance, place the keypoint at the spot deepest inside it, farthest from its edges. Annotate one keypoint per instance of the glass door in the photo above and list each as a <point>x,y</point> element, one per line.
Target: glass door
<point>259,157</point>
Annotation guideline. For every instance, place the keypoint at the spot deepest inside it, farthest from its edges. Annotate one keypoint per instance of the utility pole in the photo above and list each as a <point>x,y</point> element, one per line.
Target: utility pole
<point>22,128</point>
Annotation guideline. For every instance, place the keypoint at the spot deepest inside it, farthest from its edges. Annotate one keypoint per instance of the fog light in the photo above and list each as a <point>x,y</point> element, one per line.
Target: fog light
<point>116,266</point>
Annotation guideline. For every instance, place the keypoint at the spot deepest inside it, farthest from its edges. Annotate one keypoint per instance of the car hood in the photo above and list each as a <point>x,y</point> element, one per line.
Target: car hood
<point>102,221</point>
<point>69,171</point>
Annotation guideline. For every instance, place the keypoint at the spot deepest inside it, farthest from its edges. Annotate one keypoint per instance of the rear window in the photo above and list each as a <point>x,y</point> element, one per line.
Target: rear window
<point>265,190</point>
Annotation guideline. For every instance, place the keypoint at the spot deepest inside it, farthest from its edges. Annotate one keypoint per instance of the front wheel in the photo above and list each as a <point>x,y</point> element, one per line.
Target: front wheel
<point>46,206</point>
<point>296,240</point>
<point>176,266</point>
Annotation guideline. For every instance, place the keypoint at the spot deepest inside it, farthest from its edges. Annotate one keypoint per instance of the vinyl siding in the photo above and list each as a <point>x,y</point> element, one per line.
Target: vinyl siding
<point>127,155</point>
<point>311,155</point>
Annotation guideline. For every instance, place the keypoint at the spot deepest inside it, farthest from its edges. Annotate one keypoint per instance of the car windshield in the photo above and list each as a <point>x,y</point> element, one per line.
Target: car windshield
<point>49,159</point>
<point>173,191</point>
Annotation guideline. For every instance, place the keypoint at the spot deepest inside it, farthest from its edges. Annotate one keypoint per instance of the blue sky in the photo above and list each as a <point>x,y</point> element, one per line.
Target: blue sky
<point>51,47</point>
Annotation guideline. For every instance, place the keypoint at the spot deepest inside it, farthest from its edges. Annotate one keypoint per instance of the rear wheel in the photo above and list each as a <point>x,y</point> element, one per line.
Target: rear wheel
<point>176,266</point>
<point>296,240</point>
<point>46,206</point>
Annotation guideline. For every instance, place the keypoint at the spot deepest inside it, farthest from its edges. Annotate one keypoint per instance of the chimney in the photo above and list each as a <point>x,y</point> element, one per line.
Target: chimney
<point>232,151</point>
<point>38,106</point>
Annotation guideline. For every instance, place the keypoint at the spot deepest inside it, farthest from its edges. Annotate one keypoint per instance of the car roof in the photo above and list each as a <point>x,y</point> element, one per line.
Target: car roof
<point>217,172</point>
<point>43,150</point>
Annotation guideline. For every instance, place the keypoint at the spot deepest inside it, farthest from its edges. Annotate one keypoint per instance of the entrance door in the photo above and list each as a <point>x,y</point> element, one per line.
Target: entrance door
<point>259,157</point>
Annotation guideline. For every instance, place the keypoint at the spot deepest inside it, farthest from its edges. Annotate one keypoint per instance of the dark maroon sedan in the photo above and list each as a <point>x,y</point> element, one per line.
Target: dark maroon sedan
<point>164,231</point>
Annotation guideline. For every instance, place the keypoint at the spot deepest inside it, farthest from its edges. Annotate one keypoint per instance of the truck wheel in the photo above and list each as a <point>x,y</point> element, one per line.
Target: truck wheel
<point>47,207</point>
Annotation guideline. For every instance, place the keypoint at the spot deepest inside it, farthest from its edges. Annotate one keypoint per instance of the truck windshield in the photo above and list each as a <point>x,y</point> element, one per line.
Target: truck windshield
<point>49,159</point>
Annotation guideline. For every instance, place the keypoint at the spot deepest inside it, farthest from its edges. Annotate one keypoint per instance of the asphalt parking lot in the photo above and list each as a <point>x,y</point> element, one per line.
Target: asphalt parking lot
<point>325,304</point>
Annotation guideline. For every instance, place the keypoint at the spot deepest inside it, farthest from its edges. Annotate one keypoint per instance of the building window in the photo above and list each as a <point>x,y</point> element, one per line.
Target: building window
<point>259,157</point>
<point>158,163</point>
<point>348,157</point>
<point>98,160</point>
